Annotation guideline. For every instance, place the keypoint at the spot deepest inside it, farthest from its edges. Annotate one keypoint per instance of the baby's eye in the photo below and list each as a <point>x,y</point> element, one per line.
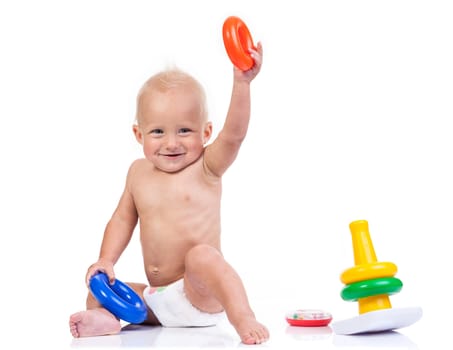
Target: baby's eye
<point>184,130</point>
<point>156,132</point>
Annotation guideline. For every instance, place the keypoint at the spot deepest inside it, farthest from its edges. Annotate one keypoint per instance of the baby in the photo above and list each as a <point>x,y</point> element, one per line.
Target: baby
<point>174,194</point>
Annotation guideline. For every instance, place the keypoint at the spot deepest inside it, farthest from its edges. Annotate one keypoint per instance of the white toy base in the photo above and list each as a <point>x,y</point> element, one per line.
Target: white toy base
<point>378,321</point>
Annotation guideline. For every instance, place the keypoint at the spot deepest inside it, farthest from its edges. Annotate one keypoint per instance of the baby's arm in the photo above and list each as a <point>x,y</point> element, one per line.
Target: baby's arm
<point>223,151</point>
<point>117,235</point>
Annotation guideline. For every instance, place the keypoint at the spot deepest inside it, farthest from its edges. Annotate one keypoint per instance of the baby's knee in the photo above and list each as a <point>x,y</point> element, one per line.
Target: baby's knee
<point>202,255</point>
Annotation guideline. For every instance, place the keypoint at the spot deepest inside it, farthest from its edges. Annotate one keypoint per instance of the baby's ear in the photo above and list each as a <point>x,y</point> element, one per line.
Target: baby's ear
<point>138,134</point>
<point>207,132</point>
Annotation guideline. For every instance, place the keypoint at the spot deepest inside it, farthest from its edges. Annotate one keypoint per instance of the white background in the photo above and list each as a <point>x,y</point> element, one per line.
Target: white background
<point>351,119</point>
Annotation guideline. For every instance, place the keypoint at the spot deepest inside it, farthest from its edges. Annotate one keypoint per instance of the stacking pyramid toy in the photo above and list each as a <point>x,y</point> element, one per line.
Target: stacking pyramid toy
<point>370,283</point>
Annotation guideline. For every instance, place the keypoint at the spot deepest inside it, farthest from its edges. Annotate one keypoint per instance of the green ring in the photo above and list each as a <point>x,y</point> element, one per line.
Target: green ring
<point>368,288</point>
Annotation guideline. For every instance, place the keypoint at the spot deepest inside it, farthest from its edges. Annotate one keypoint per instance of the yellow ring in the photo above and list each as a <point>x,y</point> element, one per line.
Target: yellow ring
<point>368,271</point>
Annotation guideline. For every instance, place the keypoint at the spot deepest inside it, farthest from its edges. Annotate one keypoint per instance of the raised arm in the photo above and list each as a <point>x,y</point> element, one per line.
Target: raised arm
<point>221,153</point>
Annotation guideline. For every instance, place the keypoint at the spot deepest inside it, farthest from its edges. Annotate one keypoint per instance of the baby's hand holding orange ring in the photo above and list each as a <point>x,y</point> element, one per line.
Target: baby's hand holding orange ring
<point>238,43</point>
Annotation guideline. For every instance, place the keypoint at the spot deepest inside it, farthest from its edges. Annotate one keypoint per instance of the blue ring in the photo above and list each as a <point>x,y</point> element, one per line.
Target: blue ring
<point>118,298</point>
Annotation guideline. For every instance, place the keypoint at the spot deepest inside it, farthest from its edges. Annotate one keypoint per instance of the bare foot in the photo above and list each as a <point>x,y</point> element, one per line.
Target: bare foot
<point>94,322</point>
<point>251,331</point>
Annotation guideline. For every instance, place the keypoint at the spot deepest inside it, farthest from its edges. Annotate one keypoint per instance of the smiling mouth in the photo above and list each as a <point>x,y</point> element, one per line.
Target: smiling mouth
<point>172,155</point>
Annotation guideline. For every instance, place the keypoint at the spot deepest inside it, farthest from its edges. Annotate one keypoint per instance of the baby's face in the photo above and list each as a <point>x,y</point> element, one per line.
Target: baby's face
<point>172,129</point>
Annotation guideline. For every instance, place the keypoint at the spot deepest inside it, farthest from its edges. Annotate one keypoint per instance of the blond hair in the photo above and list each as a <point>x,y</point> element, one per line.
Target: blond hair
<point>168,79</point>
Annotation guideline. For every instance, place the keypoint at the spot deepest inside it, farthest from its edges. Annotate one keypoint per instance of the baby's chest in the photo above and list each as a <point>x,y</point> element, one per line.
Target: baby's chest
<point>189,195</point>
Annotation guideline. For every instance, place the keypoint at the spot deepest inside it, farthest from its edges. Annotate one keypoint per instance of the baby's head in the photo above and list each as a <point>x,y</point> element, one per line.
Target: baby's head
<point>171,120</point>
<point>168,81</point>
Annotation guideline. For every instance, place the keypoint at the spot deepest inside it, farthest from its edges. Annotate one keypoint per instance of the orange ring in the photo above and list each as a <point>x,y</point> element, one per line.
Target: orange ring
<point>238,42</point>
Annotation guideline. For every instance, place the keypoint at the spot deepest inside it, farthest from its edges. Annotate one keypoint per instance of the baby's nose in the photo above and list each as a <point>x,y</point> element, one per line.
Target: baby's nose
<point>172,141</point>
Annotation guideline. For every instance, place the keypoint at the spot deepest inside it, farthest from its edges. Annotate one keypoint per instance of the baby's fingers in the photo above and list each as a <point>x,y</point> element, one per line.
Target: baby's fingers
<point>95,268</point>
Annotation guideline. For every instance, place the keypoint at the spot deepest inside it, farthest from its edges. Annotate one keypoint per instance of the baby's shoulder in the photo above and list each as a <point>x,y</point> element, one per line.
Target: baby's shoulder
<point>139,162</point>
<point>137,167</point>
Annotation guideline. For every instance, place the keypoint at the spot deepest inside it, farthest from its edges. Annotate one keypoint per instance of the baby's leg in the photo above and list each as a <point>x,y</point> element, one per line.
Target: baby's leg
<point>211,284</point>
<point>93,322</point>
<point>96,320</point>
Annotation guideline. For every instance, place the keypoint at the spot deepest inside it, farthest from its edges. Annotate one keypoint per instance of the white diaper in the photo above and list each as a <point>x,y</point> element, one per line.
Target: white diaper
<point>173,309</point>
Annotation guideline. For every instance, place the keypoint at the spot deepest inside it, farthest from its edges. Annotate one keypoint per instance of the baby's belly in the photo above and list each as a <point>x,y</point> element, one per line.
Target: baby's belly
<point>164,253</point>
<point>164,274</point>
